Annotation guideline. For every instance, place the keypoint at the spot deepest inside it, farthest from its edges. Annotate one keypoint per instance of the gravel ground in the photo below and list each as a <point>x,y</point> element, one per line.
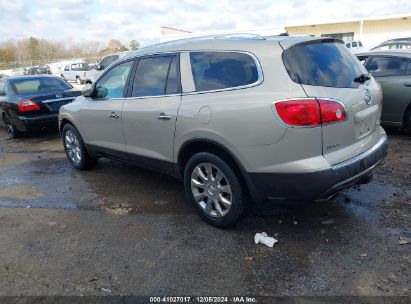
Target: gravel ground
<point>122,230</point>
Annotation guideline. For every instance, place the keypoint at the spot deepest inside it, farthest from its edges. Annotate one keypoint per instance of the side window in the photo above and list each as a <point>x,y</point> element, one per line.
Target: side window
<point>156,76</point>
<point>386,66</point>
<point>106,62</point>
<point>113,83</point>
<point>359,43</point>
<point>67,68</point>
<point>173,80</point>
<point>114,58</point>
<point>348,45</point>
<point>221,70</point>
<point>354,44</point>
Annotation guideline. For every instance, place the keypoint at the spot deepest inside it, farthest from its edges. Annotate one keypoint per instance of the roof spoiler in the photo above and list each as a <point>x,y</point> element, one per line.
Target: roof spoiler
<point>313,40</point>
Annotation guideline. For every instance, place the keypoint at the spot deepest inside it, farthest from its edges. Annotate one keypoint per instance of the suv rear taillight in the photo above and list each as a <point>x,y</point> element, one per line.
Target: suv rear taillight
<point>310,112</point>
<point>299,112</point>
<point>26,105</point>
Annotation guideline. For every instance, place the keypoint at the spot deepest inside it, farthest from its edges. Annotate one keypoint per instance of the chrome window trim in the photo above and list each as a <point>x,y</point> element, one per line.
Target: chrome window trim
<point>59,99</point>
<point>260,72</point>
<point>152,96</point>
<point>102,99</point>
<point>137,97</point>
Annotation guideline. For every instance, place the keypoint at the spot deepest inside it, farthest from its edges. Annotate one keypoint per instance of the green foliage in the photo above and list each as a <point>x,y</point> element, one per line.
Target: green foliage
<point>34,48</point>
<point>134,45</point>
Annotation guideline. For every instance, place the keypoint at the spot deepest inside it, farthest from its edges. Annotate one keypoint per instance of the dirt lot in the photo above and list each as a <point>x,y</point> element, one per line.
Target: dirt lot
<point>121,230</point>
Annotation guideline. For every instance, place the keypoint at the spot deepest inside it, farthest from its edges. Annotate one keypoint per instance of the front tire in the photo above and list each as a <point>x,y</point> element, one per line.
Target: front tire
<point>79,81</point>
<point>75,149</point>
<point>214,189</point>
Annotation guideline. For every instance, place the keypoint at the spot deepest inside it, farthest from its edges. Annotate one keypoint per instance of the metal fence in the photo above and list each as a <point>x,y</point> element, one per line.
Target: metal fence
<point>30,63</point>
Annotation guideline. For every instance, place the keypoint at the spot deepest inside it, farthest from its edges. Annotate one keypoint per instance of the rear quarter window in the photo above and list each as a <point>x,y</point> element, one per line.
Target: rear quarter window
<point>327,64</point>
<point>222,70</point>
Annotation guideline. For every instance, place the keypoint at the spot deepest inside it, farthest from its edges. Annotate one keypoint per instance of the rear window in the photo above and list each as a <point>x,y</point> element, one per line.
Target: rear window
<point>388,66</point>
<point>22,86</point>
<point>222,70</point>
<point>326,64</point>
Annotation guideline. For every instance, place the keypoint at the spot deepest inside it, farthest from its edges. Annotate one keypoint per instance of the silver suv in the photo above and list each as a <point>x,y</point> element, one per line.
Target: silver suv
<point>285,118</point>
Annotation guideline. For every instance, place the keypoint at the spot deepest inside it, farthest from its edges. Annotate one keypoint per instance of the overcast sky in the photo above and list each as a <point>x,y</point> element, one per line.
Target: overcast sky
<point>141,19</point>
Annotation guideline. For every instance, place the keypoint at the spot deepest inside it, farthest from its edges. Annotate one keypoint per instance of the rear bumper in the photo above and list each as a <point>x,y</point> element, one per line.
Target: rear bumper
<point>25,124</point>
<point>319,184</point>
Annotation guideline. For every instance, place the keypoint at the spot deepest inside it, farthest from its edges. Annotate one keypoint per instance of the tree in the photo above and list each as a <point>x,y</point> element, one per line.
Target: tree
<point>7,51</point>
<point>134,45</point>
<point>114,45</point>
<point>33,48</point>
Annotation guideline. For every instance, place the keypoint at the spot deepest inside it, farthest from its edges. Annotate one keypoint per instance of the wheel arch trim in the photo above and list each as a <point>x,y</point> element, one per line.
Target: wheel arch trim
<point>203,140</point>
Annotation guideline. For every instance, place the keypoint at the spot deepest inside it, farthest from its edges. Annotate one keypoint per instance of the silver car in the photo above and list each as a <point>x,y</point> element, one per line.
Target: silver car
<point>284,118</point>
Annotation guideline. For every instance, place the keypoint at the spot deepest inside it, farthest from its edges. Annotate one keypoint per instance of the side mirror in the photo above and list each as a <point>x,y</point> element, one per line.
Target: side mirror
<point>100,67</point>
<point>101,92</point>
<point>87,90</point>
<point>88,81</point>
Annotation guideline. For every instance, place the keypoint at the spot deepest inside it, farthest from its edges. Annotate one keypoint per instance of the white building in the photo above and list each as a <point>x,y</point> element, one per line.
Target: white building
<point>371,31</point>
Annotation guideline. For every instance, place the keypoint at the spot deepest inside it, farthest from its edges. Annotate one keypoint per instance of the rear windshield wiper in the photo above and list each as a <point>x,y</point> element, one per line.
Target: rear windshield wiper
<point>362,78</point>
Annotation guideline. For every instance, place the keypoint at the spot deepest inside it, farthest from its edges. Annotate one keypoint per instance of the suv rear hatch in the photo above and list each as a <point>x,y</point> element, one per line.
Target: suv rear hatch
<point>326,69</point>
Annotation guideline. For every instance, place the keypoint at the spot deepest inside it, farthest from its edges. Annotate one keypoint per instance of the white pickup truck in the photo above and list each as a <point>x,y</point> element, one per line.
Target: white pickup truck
<point>75,72</point>
<point>91,75</point>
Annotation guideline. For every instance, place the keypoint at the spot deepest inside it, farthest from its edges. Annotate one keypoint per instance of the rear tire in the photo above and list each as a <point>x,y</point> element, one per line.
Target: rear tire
<point>214,189</point>
<point>11,129</point>
<point>75,149</point>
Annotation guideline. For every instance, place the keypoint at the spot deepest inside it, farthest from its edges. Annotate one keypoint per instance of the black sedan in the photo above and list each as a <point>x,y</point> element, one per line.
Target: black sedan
<point>33,102</point>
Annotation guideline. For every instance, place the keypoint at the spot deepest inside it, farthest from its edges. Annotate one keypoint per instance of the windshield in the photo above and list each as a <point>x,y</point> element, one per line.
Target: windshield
<point>327,64</point>
<point>32,85</point>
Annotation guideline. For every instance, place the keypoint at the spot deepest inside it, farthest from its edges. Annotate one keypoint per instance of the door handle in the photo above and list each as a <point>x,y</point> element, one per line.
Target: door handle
<point>163,116</point>
<point>114,115</point>
<point>407,84</point>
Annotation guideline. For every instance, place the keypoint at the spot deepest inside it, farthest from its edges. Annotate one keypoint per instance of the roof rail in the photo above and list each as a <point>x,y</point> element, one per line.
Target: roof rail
<point>244,36</point>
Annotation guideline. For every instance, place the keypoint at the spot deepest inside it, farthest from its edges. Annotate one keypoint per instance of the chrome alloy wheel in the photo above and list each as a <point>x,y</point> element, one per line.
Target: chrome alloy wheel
<point>10,130</point>
<point>73,148</point>
<point>211,190</point>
